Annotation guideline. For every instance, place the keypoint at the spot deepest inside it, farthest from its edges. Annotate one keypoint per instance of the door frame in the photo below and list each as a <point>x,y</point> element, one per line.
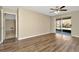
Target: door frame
<point>60,24</point>
<point>3,25</point>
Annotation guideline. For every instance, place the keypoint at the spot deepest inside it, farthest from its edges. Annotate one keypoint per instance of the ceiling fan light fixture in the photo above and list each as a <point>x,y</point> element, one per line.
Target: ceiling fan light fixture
<point>56,12</point>
<point>58,9</point>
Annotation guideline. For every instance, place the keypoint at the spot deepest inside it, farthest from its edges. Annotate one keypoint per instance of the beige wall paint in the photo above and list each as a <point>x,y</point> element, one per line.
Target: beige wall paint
<point>74,20</point>
<point>0,27</point>
<point>32,24</point>
<point>75,24</point>
<point>53,24</point>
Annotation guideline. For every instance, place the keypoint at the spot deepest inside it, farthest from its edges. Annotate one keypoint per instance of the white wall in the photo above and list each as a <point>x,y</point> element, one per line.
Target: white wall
<point>75,24</point>
<point>74,20</point>
<point>0,26</point>
<point>32,24</point>
<point>53,24</point>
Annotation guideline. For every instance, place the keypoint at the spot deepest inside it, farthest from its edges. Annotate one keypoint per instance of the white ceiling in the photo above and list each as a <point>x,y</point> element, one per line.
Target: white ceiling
<point>46,9</point>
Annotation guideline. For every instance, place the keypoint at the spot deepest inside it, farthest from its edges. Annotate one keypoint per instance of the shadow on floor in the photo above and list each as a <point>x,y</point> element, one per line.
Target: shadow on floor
<point>64,33</point>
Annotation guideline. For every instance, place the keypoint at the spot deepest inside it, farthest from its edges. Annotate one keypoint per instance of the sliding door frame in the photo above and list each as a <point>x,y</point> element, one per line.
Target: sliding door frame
<point>62,18</point>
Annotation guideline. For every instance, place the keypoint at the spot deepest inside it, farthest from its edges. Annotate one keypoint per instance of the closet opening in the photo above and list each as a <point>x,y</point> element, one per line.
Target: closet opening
<point>9,28</point>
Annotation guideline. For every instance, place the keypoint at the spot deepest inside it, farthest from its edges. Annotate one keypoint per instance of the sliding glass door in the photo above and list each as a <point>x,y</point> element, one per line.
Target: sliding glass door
<point>63,26</point>
<point>58,25</point>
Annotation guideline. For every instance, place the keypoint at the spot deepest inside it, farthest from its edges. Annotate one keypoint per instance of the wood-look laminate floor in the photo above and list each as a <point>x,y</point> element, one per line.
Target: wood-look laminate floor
<point>44,43</point>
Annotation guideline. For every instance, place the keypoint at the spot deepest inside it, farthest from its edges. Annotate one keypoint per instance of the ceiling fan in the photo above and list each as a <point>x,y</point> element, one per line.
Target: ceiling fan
<point>57,9</point>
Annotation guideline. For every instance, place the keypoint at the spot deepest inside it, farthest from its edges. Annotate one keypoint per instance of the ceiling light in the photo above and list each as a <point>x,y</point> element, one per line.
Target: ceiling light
<point>56,12</point>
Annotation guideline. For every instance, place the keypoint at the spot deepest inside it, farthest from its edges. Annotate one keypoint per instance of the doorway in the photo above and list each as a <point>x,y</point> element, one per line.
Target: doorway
<point>63,26</point>
<point>9,27</point>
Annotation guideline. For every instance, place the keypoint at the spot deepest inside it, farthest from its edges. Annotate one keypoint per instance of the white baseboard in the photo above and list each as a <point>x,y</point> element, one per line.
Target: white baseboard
<point>33,36</point>
<point>75,36</point>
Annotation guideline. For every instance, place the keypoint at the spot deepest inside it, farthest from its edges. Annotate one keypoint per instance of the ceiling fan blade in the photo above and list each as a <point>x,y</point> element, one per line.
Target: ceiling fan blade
<point>62,7</point>
<point>53,9</point>
<point>63,10</point>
